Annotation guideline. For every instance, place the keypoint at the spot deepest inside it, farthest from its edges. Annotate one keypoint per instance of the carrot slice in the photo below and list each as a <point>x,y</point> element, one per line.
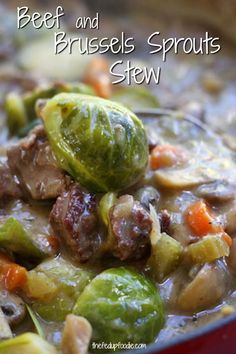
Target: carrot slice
<point>166,156</point>
<point>200,220</point>
<point>12,275</point>
<point>15,276</point>
<point>97,76</point>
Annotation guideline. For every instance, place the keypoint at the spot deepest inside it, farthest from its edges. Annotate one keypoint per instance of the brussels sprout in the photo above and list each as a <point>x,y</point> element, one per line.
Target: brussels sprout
<point>58,300</point>
<point>135,97</point>
<point>27,343</point>
<point>14,238</point>
<point>122,306</point>
<point>100,143</point>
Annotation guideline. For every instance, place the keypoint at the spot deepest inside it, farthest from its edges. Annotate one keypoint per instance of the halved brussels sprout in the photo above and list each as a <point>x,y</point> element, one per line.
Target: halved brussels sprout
<point>55,285</point>
<point>100,143</point>
<point>27,343</point>
<point>122,306</point>
<point>15,238</point>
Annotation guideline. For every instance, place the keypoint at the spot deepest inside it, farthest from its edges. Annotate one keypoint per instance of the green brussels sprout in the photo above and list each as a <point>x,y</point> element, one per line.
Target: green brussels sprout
<point>135,97</point>
<point>100,143</point>
<point>14,238</point>
<point>27,343</point>
<point>66,283</point>
<point>122,306</point>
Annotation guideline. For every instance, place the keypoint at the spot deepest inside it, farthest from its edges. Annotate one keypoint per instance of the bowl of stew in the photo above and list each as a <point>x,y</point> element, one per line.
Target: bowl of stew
<point>117,202</point>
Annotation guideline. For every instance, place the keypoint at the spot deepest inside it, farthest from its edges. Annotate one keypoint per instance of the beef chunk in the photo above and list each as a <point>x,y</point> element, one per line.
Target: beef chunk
<point>8,184</point>
<point>74,220</point>
<point>131,225</point>
<point>34,164</point>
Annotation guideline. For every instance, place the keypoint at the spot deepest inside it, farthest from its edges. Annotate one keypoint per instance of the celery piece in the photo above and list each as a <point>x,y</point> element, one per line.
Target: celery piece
<point>27,343</point>
<point>165,257</point>
<point>39,286</point>
<point>105,204</point>
<point>208,249</point>
<point>14,238</point>
<point>166,252</point>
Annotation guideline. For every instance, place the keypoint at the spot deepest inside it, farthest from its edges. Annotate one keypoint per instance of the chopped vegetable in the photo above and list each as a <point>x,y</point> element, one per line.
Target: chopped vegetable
<point>165,257</point>
<point>5,330</point>
<point>148,195</point>
<point>208,249</point>
<point>181,178</point>
<point>206,289</point>
<point>27,343</point>
<point>105,204</point>
<point>63,284</point>
<point>200,219</point>
<point>12,275</point>
<point>39,286</point>
<point>13,307</point>
<point>166,252</point>
<point>163,156</point>
<point>97,76</point>
<point>14,238</point>
<point>100,143</point>
<point>122,306</point>
<point>76,335</point>
<point>135,97</point>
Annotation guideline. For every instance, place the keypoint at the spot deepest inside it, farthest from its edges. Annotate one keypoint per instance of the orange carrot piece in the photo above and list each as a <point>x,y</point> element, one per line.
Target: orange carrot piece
<point>97,76</point>
<point>166,156</point>
<point>200,219</point>
<point>12,275</point>
<point>15,276</point>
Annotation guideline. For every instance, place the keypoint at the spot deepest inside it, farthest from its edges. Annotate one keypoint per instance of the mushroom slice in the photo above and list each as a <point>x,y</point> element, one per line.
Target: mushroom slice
<point>181,178</point>
<point>12,307</point>
<point>5,331</point>
<point>206,289</point>
<point>76,335</point>
<point>217,191</point>
<point>203,167</point>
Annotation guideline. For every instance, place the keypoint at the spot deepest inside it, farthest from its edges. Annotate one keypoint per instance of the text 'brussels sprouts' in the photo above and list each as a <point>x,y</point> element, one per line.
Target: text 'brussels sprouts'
<point>100,143</point>
<point>122,306</point>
